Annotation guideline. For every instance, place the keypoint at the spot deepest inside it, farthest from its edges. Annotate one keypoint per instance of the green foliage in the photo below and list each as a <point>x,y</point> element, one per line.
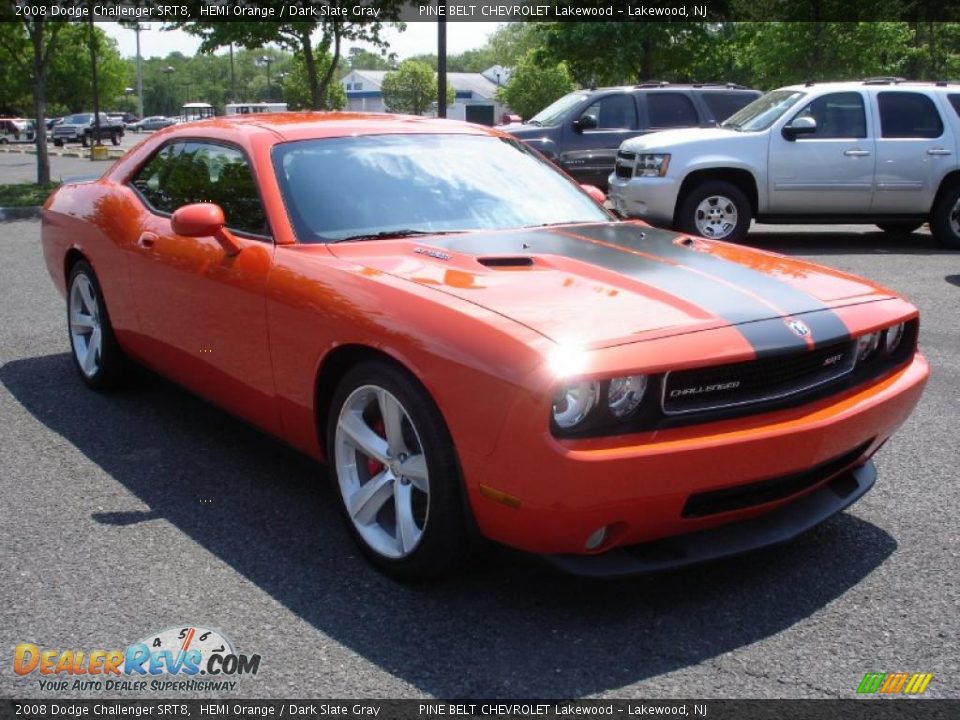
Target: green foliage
<point>296,90</point>
<point>69,77</point>
<point>412,88</point>
<point>360,59</point>
<point>533,85</point>
<point>25,194</point>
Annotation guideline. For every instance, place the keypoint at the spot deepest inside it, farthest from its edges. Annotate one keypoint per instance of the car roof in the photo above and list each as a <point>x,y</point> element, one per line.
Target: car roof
<point>883,83</point>
<point>306,125</point>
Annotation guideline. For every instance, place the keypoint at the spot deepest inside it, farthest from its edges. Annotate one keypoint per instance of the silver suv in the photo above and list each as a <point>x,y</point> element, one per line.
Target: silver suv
<point>881,151</point>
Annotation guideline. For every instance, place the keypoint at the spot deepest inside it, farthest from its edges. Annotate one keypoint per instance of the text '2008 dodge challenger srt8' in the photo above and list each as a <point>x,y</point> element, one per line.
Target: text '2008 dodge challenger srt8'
<point>475,346</point>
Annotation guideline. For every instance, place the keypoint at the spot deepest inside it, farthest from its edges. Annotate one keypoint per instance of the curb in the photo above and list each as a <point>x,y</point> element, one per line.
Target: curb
<point>9,214</point>
<point>111,154</point>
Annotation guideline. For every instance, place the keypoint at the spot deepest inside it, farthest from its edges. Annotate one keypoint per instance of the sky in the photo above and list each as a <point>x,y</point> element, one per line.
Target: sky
<point>418,38</point>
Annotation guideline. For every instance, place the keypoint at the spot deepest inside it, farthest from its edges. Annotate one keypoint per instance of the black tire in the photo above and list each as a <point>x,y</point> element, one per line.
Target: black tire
<point>729,196</point>
<point>945,218</point>
<point>3,141</point>
<point>58,143</point>
<point>899,228</point>
<point>112,369</point>
<point>85,140</point>
<point>444,539</point>
<point>115,139</point>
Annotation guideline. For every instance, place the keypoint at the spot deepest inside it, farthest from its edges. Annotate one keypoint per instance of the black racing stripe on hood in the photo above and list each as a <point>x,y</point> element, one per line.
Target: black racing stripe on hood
<point>826,327</point>
<point>715,296</point>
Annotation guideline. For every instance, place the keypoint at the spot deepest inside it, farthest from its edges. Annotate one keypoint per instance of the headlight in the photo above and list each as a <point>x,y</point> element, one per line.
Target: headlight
<point>651,165</point>
<point>625,394</point>
<point>895,336</point>
<point>574,401</point>
<point>867,345</point>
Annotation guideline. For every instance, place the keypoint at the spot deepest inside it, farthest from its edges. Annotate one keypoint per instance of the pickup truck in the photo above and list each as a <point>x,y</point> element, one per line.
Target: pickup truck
<point>881,151</point>
<point>81,128</point>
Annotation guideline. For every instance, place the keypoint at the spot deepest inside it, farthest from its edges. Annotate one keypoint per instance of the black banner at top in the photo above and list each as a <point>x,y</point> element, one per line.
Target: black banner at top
<point>482,10</point>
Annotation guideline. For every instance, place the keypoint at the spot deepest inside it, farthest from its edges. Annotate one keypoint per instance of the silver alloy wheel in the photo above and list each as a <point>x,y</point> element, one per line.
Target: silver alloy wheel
<point>86,334</point>
<point>716,217</point>
<point>382,471</point>
<point>954,218</point>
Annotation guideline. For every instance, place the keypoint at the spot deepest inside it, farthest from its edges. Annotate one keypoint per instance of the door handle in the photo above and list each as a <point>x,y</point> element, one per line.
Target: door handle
<point>856,153</point>
<point>147,240</point>
<point>938,151</point>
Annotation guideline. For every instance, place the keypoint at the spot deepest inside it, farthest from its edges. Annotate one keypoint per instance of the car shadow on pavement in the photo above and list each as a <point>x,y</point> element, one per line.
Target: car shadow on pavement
<point>855,242</point>
<point>507,626</point>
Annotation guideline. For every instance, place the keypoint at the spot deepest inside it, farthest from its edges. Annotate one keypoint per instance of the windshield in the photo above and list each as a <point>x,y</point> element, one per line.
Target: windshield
<point>556,111</point>
<point>356,187</point>
<point>763,112</point>
<point>77,119</point>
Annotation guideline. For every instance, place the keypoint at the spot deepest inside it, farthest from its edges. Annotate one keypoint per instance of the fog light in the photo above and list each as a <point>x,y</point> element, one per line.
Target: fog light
<point>596,540</point>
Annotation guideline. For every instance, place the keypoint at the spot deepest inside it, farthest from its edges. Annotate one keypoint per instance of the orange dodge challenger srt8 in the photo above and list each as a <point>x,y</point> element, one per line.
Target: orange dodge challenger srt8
<point>476,347</point>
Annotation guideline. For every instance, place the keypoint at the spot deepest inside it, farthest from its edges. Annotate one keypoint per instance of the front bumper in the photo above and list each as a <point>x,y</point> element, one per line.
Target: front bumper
<point>641,486</point>
<point>777,526</point>
<point>651,199</point>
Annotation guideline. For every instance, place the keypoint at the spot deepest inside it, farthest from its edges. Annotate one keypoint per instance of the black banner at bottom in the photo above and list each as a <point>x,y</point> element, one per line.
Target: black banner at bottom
<point>853,709</point>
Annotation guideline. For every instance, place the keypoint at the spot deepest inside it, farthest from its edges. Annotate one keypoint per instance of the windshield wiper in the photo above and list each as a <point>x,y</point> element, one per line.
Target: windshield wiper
<point>392,234</point>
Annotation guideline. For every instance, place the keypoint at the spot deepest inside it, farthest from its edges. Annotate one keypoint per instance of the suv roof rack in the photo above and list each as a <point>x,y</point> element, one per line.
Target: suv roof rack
<point>652,84</point>
<point>727,85</point>
<point>884,80</point>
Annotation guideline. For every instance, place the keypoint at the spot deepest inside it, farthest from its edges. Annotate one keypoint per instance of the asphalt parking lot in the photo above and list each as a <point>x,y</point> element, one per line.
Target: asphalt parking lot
<point>126,514</point>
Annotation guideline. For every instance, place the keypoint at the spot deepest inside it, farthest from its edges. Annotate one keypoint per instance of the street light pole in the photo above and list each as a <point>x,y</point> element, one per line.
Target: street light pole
<point>137,28</point>
<point>442,63</point>
<point>168,70</point>
<point>96,89</point>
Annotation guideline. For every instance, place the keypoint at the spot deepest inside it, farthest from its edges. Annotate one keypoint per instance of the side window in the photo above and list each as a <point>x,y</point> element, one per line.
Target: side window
<point>207,172</point>
<point>151,181</point>
<point>838,115</point>
<point>908,115</point>
<point>614,112</point>
<point>184,173</point>
<point>725,104</point>
<point>955,102</point>
<point>671,110</point>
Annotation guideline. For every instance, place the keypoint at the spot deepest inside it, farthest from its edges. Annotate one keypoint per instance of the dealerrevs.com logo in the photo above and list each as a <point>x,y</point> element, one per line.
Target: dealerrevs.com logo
<point>188,658</point>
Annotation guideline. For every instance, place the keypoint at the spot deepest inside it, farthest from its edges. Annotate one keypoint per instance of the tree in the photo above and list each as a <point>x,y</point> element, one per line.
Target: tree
<point>69,77</point>
<point>296,36</point>
<point>412,88</point>
<point>296,89</point>
<point>29,45</point>
<point>360,59</point>
<point>533,86</point>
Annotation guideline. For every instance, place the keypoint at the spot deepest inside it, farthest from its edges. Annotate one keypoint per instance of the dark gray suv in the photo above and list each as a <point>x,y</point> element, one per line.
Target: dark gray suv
<point>582,130</point>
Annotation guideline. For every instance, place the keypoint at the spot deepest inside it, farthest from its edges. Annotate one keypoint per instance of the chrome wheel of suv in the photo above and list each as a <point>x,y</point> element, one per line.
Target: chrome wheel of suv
<point>716,210</point>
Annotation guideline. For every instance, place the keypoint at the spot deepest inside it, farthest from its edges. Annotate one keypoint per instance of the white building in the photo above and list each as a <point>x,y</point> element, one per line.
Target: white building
<point>475,94</point>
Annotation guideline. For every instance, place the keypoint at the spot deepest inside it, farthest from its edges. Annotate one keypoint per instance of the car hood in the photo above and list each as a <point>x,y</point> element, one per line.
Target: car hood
<point>599,285</point>
<point>668,139</point>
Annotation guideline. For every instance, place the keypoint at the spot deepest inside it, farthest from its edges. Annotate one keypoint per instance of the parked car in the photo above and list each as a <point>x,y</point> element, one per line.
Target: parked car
<point>154,122</point>
<point>881,151</point>
<point>475,345</point>
<point>82,128</point>
<point>582,130</point>
<point>16,130</point>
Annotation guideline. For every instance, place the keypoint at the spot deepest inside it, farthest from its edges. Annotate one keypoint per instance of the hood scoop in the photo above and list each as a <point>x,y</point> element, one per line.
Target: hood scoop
<point>506,262</point>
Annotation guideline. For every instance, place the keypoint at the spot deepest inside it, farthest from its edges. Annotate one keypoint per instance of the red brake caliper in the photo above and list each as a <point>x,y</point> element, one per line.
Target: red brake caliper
<point>374,467</point>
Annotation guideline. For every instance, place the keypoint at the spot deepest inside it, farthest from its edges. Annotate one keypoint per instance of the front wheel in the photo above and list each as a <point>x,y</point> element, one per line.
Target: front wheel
<point>115,139</point>
<point>395,471</point>
<point>945,218</point>
<point>84,140</point>
<point>58,143</point>
<point>716,210</point>
<point>96,353</point>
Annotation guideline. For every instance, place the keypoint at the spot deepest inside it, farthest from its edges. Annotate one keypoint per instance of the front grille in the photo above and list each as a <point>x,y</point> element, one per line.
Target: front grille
<point>765,491</point>
<point>756,381</point>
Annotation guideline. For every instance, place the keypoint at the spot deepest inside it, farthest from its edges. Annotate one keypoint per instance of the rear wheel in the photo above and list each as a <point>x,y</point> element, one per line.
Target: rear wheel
<point>945,218</point>
<point>96,354</point>
<point>899,228</point>
<point>58,143</point>
<point>115,139</point>
<point>84,140</point>
<point>395,471</point>
<point>716,210</point>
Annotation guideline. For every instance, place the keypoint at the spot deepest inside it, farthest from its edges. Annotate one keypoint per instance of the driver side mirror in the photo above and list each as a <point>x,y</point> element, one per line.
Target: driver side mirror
<point>596,193</point>
<point>204,220</point>
<point>585,122</point>
<point>803,125</point>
